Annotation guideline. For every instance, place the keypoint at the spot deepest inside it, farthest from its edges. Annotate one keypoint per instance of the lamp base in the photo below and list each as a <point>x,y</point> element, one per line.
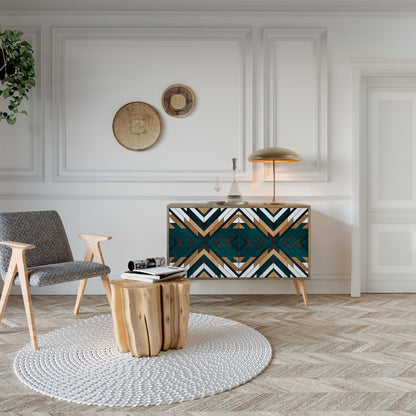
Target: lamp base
<point>275,203</point>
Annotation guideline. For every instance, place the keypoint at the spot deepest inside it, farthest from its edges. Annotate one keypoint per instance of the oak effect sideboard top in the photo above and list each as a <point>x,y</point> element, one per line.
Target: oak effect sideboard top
<point>240,241</point>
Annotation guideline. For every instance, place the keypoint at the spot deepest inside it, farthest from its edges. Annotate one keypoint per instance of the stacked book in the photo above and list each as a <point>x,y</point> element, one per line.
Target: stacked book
<point>154,274</point>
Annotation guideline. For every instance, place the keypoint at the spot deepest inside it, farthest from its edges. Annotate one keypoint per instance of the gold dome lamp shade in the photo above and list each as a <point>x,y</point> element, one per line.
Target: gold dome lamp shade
<point>274,155</point>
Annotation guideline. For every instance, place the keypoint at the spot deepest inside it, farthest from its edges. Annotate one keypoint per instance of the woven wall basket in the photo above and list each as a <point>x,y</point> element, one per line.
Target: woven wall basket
<point>178,100</point>
<point>137,126</point>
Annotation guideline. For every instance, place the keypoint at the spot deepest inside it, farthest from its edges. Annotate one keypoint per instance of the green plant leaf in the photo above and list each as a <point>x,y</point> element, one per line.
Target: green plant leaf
<point>20,73</point>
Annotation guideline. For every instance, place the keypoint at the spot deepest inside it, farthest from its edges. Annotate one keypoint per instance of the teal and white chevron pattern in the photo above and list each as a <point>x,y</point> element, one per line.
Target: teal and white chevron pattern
<point>240,242</point>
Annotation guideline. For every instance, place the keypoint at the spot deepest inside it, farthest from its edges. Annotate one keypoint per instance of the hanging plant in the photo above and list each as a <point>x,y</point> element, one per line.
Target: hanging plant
<point>17,73</point>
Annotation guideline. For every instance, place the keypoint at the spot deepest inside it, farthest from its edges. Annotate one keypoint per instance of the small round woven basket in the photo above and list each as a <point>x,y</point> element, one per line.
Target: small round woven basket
<point>178,100</point>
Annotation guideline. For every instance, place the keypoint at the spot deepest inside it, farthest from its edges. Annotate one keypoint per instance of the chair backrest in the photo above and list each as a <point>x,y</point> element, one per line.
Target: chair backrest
<point>44,229</point>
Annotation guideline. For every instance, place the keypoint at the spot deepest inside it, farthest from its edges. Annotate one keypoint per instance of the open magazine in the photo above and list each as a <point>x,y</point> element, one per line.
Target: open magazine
<point>161,271</point>
<point>154,274</point>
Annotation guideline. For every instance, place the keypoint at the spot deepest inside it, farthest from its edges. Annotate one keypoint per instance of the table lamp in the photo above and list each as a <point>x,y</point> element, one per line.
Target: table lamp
<point>274,154</point>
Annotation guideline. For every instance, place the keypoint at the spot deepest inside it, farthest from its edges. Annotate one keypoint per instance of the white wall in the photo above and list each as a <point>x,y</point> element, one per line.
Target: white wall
<point>260,79</point>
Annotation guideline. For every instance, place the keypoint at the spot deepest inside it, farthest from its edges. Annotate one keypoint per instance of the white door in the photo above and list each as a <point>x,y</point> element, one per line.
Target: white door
<point>391,184</point>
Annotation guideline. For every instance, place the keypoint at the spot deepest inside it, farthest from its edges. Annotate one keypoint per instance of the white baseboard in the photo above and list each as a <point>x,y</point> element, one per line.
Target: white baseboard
<point>391,286</point>
<point>316,285</point>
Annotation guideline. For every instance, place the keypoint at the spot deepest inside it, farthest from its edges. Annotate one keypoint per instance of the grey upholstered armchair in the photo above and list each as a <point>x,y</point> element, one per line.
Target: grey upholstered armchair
<point>48,259</point>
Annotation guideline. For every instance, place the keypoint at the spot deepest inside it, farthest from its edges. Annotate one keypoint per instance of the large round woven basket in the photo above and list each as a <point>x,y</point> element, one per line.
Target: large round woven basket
<point>137,126</point>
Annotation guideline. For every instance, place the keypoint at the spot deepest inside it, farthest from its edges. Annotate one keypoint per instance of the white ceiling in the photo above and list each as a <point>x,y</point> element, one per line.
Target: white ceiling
<point>212,5</point>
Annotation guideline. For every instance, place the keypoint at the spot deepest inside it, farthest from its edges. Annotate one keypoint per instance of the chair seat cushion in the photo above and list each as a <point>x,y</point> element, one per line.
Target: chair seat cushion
<point>51,274</point>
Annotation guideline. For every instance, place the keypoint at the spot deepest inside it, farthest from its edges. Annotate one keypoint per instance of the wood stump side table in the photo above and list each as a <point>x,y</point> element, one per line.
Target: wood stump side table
<point>150,317</point>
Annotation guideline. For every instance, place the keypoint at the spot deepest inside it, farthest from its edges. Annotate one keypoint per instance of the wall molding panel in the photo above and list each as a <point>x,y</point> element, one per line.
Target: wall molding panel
<point>233,42</point>
<point>392,249</point>
<point>392,115</point>
<point>295,116</point>
<point>25,138</point>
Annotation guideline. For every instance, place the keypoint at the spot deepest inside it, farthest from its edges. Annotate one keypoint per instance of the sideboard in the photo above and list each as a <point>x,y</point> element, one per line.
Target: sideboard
<point>241,241</point>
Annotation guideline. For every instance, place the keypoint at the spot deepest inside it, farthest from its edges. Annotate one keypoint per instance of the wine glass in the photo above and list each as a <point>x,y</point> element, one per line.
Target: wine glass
<point>218,186</point>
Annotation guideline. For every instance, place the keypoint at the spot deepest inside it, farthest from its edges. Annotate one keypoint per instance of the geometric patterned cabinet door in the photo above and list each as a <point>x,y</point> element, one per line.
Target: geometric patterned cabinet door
<point>250,241</point>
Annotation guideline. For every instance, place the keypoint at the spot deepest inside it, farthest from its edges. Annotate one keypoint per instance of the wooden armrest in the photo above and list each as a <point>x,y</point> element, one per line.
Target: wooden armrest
<point>94,249</point>
<point>94,238</point>
<point>16,245</point>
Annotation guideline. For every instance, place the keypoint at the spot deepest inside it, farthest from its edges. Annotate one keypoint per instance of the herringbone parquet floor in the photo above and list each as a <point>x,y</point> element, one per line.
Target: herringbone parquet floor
<point>340,356</point>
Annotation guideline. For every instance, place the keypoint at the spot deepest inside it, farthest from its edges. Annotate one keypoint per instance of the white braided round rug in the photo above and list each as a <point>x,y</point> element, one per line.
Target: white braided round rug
<point>81,363</point>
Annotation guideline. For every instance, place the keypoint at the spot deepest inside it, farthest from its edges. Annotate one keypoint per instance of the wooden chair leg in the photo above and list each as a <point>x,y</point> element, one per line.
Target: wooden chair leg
<point>29,312</point>
<point>81,289</point>
<point>27,300</point>
<point>18,264</point>
<point>8,283</point>
<point>107,287</point>
<point>93,252</point>
<point>303,290</point>
<point>295,282</point>
<point>97,255</point>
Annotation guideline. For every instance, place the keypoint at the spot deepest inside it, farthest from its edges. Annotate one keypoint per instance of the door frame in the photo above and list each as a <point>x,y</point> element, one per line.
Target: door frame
<point>362,69</point>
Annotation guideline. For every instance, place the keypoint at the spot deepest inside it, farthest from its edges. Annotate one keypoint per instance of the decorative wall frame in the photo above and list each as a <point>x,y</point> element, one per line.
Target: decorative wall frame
<point>30,168</point>
<point>69,169</point>
<point>303,51</point>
